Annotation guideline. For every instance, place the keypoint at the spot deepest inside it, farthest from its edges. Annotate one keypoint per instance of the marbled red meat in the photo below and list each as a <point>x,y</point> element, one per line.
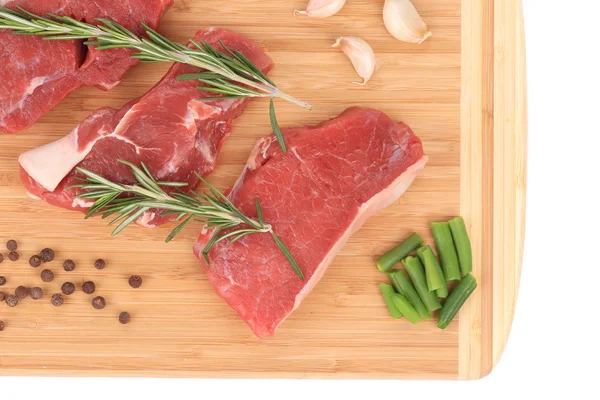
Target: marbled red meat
<point>171,129</point>
<point>332,179</point>
<point>36,74</point>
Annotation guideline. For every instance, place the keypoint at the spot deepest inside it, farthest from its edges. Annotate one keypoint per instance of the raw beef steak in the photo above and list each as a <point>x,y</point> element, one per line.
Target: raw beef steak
<point>36,74</point>
<point>333,178</point>
<point>170,129</point>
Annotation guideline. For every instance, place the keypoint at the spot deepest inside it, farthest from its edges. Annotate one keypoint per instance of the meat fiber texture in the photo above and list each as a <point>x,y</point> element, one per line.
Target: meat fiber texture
<point>36,74</point>
<point>170,129</point>
<point>332,179</point>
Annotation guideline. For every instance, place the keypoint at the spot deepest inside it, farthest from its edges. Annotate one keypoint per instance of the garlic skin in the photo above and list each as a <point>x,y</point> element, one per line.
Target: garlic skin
<point>403,21</point>
<point>322,8</point>
<point>360,54</point>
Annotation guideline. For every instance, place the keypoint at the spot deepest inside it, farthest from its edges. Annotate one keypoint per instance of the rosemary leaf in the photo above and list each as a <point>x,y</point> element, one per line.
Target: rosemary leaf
<point>172,184</point>
<point>210,245</point>
<point>239,236</point>
<point>125,212</point>
<point>178,228</point>
<point>275,126</point>
<point>259,213</point>
<point>129,220</point>
<point>127,203</point>
<point>288,255</point>
<point>234,233</point>
<point>100,203</point>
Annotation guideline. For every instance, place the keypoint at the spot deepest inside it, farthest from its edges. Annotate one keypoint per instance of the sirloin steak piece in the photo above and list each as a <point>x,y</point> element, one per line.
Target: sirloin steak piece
<point>36,74</point>
<point>170,129</point>
<point>333,178</point>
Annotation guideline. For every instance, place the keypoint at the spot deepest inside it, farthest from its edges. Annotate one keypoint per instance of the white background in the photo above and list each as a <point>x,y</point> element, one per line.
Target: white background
<point>553,348</point>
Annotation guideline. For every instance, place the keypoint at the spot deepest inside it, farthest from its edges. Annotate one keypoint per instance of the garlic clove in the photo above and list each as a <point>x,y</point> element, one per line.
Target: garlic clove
<point>403,21</point>
<point>322,8</point>
<point>360,54</point>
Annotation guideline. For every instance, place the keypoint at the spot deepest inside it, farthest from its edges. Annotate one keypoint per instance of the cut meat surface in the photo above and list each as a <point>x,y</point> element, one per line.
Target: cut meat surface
<point>332,179</point>
<point>37,74</point>
<point>170,129</point>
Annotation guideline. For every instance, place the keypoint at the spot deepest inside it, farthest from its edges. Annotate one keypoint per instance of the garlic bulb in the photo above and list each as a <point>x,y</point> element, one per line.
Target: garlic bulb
<point>403,21</point>
<point>360,54</point>
<point>322,8</point>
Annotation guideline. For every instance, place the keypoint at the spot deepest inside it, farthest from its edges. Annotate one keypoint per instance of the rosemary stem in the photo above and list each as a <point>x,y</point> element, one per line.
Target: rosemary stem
<point>292,100</point>
<point>270,90</point>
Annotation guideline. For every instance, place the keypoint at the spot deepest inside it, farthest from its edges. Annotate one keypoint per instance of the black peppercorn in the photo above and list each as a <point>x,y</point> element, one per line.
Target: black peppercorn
<point>124,317</point>
<point>135,281</point>
<point>12,300</point>
<point>68,288</point>
<point>57,300</point>
<point>35,261</point>
<point>11,245</point>
<point>47,275</point>
<point>13,256</point>
<point>47,255</point>
<point>2,296</point>
<point>100,264</point>
<point>88,287</point>
<point>69,265</point>
<point>99,303</point>
<point>1,326</point>
<point>2,281</point>
<point>21,292</point>
<point>36,293</point>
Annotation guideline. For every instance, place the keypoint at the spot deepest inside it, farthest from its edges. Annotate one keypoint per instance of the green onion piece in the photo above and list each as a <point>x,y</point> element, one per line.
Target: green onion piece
<point>395,255</point>
<point>462,244</point>
<point>433,270</point>
<point>417,275</point>
<point>388,292</point>
<point>456,300</point>
<point>446,250</point>
<point>406,308</point>
<point>442,292</point>
<point>406,289</point>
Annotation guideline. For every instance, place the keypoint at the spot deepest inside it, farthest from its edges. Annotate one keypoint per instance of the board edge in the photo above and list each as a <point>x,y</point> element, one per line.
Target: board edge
<point>492,124</point>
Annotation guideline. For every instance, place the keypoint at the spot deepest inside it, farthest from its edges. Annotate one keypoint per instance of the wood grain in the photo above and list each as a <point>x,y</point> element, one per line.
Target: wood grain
<point>493,167</point>
<point>461,91</point>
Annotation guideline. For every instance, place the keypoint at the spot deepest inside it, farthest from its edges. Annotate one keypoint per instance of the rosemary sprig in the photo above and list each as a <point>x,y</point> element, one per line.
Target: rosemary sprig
<point>229,75</point>
<point>129,202</point>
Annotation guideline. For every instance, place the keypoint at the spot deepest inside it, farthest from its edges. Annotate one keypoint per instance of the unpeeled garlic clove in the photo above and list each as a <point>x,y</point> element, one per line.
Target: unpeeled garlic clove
<point>403,21</point>
<point>322,8</point>
<point>360,54</point>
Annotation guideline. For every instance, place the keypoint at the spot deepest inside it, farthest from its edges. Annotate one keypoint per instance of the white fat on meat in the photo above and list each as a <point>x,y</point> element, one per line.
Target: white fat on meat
<point>146,219</point>
<point>33,85</point>
<point>49,164</point>
<point>83,203</point>
<point>33,196</point>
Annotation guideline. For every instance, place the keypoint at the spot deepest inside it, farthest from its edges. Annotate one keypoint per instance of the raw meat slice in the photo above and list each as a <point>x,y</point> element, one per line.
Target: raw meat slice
<point>333,178</point>
<point>37,74</point>
<point>170,129</point>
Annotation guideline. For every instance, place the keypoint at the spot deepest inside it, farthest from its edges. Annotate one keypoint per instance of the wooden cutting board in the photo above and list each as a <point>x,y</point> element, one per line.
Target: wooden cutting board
<point>463,93</point>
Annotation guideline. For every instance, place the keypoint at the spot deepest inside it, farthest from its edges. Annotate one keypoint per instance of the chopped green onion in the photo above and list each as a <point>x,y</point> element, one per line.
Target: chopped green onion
<point>394,256</point>
<point>446,250</point>
<point>388,292</point>
<point>406,308</point>
<point>455,301</point>
<point>462,244</point>
<point>433,270</point>
<point>417,275</point>
<point>404,287</point>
